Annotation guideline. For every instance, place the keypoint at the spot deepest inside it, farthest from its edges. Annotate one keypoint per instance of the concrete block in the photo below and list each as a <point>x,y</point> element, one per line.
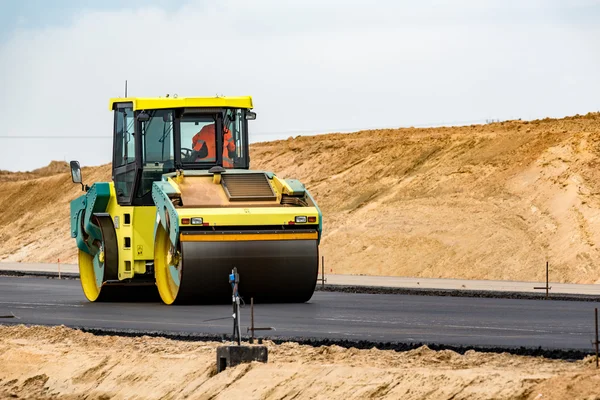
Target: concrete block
<point>230,356</point>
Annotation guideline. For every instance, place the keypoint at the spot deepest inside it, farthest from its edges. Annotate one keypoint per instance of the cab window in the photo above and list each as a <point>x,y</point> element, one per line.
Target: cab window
<point>157,138</point>
<point>124,138</point>
<point>157,150</point>
<point>198,139</point>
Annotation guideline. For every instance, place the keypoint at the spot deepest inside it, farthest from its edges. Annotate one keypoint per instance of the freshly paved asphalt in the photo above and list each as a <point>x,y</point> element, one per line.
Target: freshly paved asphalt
<point>453,321</point>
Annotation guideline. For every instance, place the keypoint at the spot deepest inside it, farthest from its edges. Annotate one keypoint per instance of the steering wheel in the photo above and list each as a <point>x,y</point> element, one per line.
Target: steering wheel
<point>186,154</point>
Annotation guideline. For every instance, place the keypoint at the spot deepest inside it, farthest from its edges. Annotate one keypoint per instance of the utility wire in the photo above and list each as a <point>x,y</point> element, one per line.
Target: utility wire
<point>54,137</point>
<point>283,133</point>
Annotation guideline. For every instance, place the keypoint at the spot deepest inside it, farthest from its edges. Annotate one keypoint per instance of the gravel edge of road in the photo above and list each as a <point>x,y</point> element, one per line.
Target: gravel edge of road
<point>489,294</point>
<point>555,354</point>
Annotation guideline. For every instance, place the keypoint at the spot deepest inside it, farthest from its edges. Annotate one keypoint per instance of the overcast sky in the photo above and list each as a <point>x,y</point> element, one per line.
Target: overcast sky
<point>312,66</point>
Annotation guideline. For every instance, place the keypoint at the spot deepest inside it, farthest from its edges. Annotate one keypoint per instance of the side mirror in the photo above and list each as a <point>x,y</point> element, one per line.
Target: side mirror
<point>75,172</point>
<point>250,115</point>
<point>76,175</point>
<point>143,117</point>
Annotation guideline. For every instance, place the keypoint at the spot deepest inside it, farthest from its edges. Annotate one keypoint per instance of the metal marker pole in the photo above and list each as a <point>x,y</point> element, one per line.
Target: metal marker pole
<point>239,329</point>
<point>233,315</point>
<point>547,287</point>
<point>252,319</point>
<point>596,317</point>
<point>234,280</point>
<point>323,271</point>
<point>236,320</point>
<point>546,280</point>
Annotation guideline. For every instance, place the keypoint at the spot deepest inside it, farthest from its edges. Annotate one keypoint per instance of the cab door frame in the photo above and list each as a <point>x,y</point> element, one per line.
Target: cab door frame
<point>129,170</point>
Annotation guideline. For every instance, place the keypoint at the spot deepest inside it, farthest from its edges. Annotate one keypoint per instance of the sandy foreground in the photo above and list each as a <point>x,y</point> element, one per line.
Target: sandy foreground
<point>58,362</point>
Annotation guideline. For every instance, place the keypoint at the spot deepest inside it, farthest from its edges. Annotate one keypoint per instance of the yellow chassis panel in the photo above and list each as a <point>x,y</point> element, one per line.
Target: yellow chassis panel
<point>246,237</point>
<point>140,231</point>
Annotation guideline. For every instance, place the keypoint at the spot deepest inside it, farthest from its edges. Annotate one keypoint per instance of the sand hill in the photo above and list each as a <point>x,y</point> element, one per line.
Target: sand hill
<point>481,202</point>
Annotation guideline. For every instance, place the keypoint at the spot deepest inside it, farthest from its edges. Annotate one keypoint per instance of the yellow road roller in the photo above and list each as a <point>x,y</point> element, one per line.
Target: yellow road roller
<point>183,209</point>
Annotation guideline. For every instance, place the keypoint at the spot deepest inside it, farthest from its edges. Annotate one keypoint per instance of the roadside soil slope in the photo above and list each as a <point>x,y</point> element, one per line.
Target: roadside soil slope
<point>477,202</point>
<point>61,363</point>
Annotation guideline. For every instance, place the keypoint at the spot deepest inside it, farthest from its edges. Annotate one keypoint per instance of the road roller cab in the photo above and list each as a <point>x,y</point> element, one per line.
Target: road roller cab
<point>183,209</point>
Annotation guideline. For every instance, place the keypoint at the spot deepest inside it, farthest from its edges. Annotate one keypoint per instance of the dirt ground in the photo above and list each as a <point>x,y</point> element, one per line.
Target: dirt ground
<point>489,201</point>
<point>61,363</point>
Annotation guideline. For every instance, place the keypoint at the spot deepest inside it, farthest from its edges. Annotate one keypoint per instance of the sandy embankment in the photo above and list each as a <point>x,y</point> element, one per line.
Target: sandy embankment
<point>476,202</point>
<point>43,363</point>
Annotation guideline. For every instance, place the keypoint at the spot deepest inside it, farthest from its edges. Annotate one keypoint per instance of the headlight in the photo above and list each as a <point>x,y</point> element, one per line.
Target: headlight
<point>301,220</point>
<point>197,221</point>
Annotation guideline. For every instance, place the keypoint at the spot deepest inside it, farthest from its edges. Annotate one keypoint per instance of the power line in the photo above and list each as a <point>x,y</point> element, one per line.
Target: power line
<point>54,137</point>
<point>282,133</point>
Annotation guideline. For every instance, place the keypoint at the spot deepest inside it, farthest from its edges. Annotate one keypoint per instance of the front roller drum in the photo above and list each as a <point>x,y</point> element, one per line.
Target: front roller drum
<point>271,271</point>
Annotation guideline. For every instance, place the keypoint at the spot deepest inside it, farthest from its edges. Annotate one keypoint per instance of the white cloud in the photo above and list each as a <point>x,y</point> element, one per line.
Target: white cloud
<point>311,66</point>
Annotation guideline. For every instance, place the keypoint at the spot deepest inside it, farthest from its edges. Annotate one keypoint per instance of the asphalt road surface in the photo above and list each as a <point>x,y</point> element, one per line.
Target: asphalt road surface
<point>450,321</point>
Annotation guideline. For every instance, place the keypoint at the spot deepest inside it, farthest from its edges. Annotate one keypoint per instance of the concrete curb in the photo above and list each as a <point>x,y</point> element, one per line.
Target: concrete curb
<point>487,294</point>
<point>40,274</point>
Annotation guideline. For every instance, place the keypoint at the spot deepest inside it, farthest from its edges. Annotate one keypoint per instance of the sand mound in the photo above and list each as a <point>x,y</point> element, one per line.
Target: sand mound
<point>54,168</point>
<point>478,202</point>
<point>44,363</point>
<point>34,223</point>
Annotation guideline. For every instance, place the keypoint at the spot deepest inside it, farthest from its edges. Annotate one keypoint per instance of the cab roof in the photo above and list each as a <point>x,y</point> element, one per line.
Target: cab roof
<point>153,103</point>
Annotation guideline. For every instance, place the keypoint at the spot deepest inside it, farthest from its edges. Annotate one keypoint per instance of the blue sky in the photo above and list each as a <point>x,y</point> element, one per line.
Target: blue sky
<point>29,14</point>
<point>345,64</point>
